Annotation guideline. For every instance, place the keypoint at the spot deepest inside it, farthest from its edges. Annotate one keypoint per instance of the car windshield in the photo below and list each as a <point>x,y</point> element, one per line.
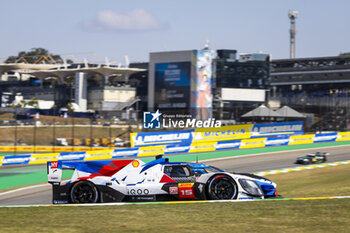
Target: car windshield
<point>209,169</point>
<point>213,169</point>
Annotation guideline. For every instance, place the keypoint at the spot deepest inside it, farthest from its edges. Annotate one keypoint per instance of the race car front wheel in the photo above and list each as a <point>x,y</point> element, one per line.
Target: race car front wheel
<point>84,192</point>
<point>221,187</point>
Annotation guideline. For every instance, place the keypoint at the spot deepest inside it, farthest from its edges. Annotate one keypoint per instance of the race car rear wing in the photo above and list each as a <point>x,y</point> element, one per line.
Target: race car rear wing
<point>54,172</point>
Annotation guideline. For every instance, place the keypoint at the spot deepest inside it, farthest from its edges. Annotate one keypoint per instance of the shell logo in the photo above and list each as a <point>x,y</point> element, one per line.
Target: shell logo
<point>135,163</point>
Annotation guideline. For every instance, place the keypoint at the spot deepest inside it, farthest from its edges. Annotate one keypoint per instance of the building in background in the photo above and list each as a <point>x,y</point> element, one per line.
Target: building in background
<point>318,87</point>
<point>222,84</point>
<point>242,82</point>
<point>181,82</point>
<point>87,86</point>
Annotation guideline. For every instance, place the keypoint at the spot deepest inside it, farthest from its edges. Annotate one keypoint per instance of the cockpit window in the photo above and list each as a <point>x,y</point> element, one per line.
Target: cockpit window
<point>176,171</point>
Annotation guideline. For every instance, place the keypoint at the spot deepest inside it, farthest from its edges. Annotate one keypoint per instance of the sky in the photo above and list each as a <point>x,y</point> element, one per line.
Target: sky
<point>115,28</point>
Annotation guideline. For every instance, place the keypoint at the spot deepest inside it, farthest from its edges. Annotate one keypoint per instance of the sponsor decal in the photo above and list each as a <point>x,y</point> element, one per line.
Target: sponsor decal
<point>186,190</point>
<point>138,191</point>
<point>143,198</point>
<point>60,202</point>
<point>173,190</point>
<point>186,185</point>
<point>245,198</point>
<point>54,165</point>
<point>200,187</point>
<point>135,163</point>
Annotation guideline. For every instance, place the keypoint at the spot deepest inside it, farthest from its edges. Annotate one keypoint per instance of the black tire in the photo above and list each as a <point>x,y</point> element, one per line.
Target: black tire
<point>221,187</point>
<point>84,192</point>
<point>324,159</point>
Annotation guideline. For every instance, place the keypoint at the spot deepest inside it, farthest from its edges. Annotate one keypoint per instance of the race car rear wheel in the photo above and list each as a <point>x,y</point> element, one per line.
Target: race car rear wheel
<point>84,192</point>
<point>221,187</point>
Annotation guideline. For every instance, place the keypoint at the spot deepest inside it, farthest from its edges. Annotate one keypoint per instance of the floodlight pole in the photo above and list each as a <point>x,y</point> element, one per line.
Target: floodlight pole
<point>292,16</point>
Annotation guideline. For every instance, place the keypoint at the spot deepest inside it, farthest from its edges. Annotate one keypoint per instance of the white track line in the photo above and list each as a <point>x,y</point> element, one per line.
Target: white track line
<point>172,202</point>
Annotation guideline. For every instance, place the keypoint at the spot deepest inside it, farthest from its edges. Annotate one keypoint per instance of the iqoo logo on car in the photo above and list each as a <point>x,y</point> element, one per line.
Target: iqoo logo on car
<point>138,192</point>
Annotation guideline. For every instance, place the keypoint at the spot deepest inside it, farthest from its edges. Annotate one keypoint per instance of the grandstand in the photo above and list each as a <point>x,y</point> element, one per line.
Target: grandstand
<point>317,86</point>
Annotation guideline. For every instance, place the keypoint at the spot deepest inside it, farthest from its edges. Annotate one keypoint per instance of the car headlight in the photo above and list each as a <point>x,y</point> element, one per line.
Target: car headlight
<point>251,187</point>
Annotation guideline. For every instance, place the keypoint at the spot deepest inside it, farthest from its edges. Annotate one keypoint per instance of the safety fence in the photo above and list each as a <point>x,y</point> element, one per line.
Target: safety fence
<point>169,149</point>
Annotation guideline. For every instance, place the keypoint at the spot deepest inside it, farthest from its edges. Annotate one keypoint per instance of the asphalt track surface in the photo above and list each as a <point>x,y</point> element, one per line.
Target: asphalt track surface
<point>42,194</point>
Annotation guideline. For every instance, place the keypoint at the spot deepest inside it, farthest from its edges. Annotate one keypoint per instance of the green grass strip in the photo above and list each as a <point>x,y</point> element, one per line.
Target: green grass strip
<point>263,216</point>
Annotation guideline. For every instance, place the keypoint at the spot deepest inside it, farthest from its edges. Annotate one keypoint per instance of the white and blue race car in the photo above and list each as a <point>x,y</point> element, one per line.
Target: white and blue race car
<point>158,180</point>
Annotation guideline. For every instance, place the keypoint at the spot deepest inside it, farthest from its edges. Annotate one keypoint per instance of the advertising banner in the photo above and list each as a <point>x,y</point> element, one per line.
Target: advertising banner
<point>273,129</point>
<point>201,84</point>
<point>151,150</point>
<point>325,137</point>
<point>301,139</point>
<point>173,85</point>
<point>277,141</point>
<point>15,159</point>
<point>203,146</point>
<point>225,145</point>
<point>128,152</point>
<point>223,133</point>
<point>173,148</point>
<point>42,158</point>
<point>72,156</point>
<point>161,138</point>
<point>252,143</point>
<point>231,132</point>
<point>177,148</point>
<point>101,154</point>
<point>343,136</point>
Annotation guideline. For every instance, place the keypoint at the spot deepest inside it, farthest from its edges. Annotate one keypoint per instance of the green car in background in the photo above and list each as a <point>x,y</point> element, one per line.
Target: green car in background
<point>318,157</point>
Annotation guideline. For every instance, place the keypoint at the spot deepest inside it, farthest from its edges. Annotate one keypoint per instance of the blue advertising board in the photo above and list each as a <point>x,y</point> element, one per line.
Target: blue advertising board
<point>172,85</point>
<point>277,141</point>
<point>225,145</point>
<point>162,138</point>
<point>15,159</point>
<point>277,129</point>
<point>325,137</point>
